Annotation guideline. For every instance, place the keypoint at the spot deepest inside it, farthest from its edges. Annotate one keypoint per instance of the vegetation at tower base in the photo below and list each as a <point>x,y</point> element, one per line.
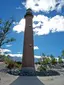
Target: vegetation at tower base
<point>62,54</point>
<point>10,63</point>
<point>12,67</point>
<point>46,63</point>
<point>2,57</point>
<point>60,59</point>
<point>5,29</point>
<point>53,60</point>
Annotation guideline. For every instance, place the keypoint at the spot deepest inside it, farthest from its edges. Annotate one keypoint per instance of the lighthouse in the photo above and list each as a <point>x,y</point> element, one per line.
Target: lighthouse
<point>28,47</point>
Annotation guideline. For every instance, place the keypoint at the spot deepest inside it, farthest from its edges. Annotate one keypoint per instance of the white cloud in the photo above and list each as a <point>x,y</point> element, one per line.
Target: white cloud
<point>8,45</point>
<point>44,25</point>
<point>36,48</point>
<point>2,51</point>
<point>43,5</point>
<point>20,26</point>
<point>20,55</point>
<point>15,55</point>
<point>37,56</point>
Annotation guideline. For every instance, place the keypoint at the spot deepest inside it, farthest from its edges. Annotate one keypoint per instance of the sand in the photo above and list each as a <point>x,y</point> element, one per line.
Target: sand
<point>7,79</point>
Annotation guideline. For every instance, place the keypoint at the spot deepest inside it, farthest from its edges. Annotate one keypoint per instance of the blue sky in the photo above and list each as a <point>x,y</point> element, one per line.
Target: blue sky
<point>48,25</point>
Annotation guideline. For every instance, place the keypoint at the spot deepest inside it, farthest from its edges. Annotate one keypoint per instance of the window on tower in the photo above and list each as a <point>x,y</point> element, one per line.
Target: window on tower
<point>29,25</point>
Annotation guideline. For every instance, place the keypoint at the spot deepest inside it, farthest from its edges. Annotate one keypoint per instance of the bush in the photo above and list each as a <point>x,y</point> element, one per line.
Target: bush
<point>1,57</point>
<point>46,61</point>
<point>41,68</point>
<point>18,65</point>
<point>10,65</point>
<point>13,64</point>
<point>60,60</point>
<point>53,60</point>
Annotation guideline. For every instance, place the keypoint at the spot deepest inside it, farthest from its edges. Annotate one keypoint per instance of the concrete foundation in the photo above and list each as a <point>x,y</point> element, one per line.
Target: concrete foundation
<point>28,71</point>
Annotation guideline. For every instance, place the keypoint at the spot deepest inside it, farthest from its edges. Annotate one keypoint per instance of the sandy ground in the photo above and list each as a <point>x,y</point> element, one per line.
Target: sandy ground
<point>7,79</point>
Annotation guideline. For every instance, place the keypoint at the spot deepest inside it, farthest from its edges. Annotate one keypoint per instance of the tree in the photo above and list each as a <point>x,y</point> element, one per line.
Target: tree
<point>42,57</point>
<point>43,54</point>
<point>60,59</point>
<point>62,55</point>
<point>53,60</point>
<point>46,61</point>
<point>5,29</point>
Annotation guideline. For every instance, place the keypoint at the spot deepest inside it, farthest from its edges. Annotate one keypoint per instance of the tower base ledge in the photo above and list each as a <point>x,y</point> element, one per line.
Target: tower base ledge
<point>27,71</point>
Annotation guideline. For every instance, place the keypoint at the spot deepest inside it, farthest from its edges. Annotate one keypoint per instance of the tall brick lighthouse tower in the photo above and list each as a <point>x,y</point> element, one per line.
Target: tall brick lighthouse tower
<point>28,53</point>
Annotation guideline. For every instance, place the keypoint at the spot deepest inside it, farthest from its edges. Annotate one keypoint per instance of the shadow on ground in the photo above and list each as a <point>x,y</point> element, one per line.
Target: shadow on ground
<point>24,80</point>
<point>47,73</point>
<point>36,73</point>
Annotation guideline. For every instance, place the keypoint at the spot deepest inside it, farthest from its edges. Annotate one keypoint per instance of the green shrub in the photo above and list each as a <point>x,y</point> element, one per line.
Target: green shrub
<point>53,60</point>
<point>46,61</point>
<point>10,65</point>
<point>18,65</point>
<point>60,59</point>
<point>41,68</point>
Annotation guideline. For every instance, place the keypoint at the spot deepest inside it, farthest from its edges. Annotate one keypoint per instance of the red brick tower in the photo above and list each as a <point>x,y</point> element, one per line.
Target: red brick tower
<point>28,53</point>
